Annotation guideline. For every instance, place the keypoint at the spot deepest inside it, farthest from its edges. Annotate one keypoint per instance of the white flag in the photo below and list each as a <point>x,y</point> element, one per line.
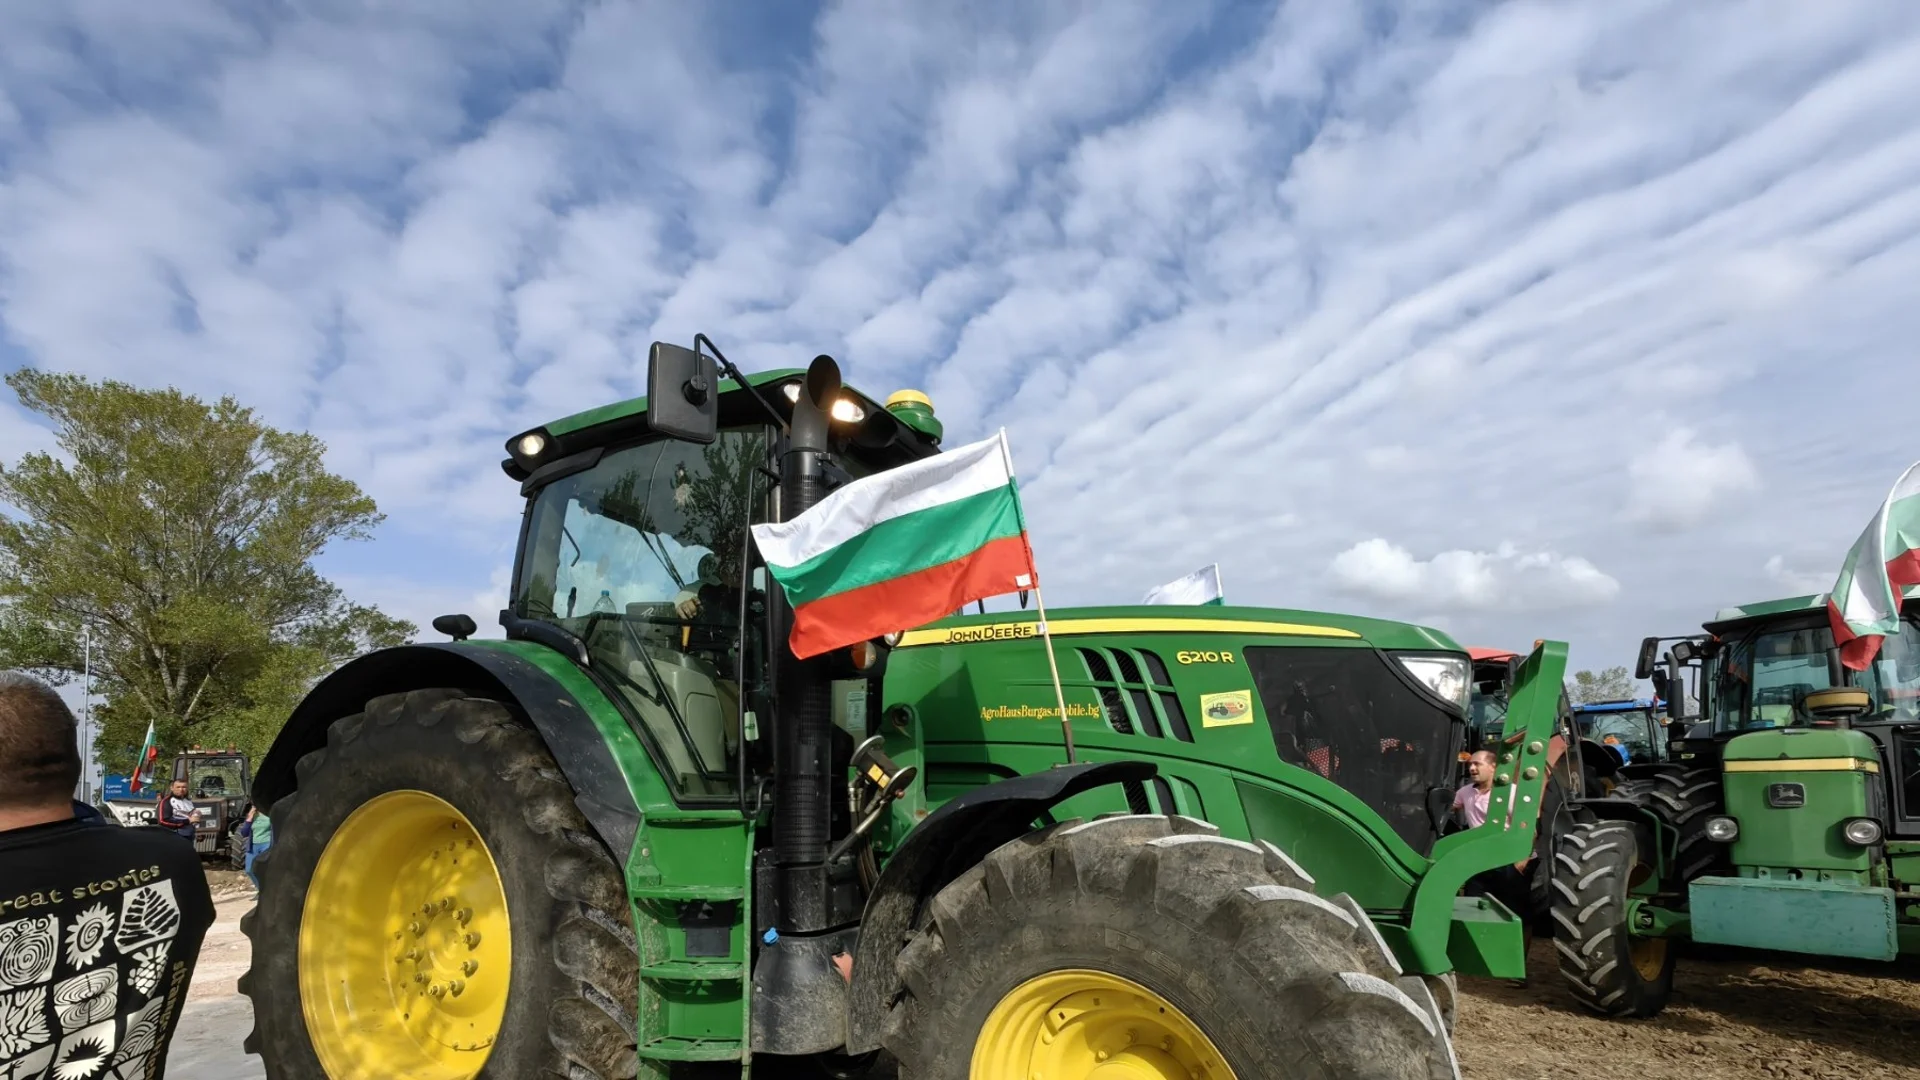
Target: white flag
<point>1200,587</point>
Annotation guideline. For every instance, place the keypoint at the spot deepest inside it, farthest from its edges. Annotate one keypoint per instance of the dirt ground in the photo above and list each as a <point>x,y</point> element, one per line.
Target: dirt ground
<point>1758,1016</point>
<point>1761,1015</point>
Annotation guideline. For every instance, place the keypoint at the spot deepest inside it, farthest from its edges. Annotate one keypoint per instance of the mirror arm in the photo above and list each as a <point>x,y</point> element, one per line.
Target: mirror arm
<point>726,365</point>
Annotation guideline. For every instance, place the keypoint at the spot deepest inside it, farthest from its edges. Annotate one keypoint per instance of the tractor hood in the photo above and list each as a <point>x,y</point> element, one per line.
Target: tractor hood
<point>1791,790</point>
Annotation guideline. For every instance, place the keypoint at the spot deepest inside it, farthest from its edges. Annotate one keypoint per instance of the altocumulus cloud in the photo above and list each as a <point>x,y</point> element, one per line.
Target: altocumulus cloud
<point>1277,285</point>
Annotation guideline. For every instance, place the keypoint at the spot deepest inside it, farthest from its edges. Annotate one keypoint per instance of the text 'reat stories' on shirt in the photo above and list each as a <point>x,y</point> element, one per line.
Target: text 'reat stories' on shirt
<point>99,930</point>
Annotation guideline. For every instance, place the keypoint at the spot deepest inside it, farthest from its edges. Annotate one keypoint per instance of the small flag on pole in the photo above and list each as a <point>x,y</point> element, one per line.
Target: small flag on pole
<point>142,769</point>
<point>901,548</point>
<point>1864,605</point>
<point>1200,587</point>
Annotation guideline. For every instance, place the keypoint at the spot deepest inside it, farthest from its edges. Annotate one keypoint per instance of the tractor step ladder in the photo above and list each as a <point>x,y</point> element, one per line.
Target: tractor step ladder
<point>692,923</point>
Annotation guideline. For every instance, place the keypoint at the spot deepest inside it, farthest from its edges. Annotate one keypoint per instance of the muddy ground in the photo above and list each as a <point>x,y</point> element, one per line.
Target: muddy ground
<point>1759,1015</point>
<point>1756,1016</point>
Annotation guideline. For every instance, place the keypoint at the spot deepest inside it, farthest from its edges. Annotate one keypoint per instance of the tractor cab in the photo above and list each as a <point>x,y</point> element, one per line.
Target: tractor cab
<point>1633,729</point>
<point>1492,689</point>
<point>635,551</point>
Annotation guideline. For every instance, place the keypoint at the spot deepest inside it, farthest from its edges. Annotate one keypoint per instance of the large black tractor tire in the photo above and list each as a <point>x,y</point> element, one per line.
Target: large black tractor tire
<point>1221,935</point>
<point>1609,971</point>
<point>573,965</point>
<point>1684,798</point>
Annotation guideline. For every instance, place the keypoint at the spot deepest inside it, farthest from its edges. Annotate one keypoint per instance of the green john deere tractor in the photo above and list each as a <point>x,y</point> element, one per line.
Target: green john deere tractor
<point>1786,818</point>
<point>637,837</point>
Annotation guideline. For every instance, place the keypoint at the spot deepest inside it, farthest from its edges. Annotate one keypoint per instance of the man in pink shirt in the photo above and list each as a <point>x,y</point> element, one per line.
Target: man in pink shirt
<point>1470,802</point>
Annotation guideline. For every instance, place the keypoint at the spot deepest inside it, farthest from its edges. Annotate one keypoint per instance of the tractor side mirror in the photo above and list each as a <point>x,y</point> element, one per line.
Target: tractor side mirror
<point>457,627</point>
<point>683,393</point>
<point>1649,649</point>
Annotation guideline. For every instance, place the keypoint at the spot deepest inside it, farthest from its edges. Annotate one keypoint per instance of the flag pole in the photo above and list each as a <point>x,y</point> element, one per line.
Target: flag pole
<point>1039,601</point>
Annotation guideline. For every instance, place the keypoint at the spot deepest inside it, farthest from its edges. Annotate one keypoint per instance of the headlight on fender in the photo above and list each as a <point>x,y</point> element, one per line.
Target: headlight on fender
<point>1722,830</point>
<point>1446,676</point>
<point>1861,831</point>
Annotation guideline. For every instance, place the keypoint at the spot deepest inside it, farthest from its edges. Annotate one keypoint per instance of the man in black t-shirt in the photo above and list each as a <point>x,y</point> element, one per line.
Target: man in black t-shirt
<point>99,927</point>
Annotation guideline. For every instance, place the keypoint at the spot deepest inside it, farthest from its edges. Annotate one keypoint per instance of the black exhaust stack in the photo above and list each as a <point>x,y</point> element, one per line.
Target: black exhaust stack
<point>799,1000</point>
<point>803,807</point>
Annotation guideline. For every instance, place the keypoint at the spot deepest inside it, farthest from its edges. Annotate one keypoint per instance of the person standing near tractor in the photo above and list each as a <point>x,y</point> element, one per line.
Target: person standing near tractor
<point>259,837</point>
<point>176,813</point>
<point>1470,802</point>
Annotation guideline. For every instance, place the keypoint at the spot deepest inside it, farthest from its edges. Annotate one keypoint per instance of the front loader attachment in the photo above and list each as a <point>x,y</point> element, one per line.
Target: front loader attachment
<point>1481,934</point>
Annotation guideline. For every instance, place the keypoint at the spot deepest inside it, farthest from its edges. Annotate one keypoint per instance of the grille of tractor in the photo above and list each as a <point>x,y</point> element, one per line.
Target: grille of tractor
<point>1348,715</point>
<point>1136,693</point>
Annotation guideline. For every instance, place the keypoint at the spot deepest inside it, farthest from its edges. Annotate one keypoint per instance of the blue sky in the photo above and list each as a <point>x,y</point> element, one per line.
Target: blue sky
<point>1566,319</point>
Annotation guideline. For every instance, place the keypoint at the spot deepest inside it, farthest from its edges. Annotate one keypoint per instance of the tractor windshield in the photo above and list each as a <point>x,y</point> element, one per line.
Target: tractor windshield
<point>214,777</point>
<point>1632,729</point>
<point>1764,677</point>
<point>640,557</point>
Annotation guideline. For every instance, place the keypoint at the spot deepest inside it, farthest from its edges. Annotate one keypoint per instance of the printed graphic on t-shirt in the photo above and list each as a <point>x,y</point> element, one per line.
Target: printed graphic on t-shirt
<point>68,978</point>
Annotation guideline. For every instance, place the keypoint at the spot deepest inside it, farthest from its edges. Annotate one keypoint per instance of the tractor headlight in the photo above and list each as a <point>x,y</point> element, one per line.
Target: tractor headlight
<point>1722,830</point>
<point>893,637</point>
<point>1446,676</point>
<point>1861,832</point>
<point>527,448</point>
<point>845,409</point>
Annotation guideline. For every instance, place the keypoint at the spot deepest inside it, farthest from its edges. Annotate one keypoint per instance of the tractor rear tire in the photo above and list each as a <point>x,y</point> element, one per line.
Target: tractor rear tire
<point>563,938</point>
<point>1684,797</point>
<point>1151,937</point>
<point>1609,971</point>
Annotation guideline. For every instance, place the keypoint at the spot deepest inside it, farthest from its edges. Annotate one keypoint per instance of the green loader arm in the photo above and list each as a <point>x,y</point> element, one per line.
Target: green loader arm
<point>1513,811</point>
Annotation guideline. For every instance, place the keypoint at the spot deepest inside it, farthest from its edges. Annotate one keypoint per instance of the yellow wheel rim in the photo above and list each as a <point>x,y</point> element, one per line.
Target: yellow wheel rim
<point>1649,955</point>
<point>1091,1025</point>
<point>404,944</point>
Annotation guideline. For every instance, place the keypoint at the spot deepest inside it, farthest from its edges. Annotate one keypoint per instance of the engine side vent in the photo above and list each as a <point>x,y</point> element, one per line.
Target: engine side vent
<point>1137,693</point>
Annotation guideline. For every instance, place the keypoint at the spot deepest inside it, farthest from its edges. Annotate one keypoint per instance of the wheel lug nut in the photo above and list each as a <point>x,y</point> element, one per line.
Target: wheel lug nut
<point>472,940</point>
<point>469,968</point>
<point>457,985</point>
<point>463,916</point>
<point>414,928</point>
<point>437,990</point>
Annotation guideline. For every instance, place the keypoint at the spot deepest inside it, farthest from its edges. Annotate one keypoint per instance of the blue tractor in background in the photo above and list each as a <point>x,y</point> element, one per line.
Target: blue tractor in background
<point>1634,730</point>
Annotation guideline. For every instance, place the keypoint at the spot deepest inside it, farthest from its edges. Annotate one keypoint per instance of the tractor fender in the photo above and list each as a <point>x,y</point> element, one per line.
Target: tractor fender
<point>1654,833</point>
<point>599,790</point>
<point>943,846</point>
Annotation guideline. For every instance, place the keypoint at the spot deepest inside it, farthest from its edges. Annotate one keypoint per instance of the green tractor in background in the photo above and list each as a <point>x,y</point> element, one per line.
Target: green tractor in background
<point>1786,818</point>
<point>638,837</point>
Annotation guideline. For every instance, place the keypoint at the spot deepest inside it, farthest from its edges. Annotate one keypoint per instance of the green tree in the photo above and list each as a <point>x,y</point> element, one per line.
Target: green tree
<point>182,535</point>
<point>1613,684</point>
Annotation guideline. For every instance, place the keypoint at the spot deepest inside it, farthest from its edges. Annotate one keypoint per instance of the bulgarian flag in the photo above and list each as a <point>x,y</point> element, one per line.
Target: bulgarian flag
<point>144,763</point>
<point>901,548</point>
<point>1865,603</point>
